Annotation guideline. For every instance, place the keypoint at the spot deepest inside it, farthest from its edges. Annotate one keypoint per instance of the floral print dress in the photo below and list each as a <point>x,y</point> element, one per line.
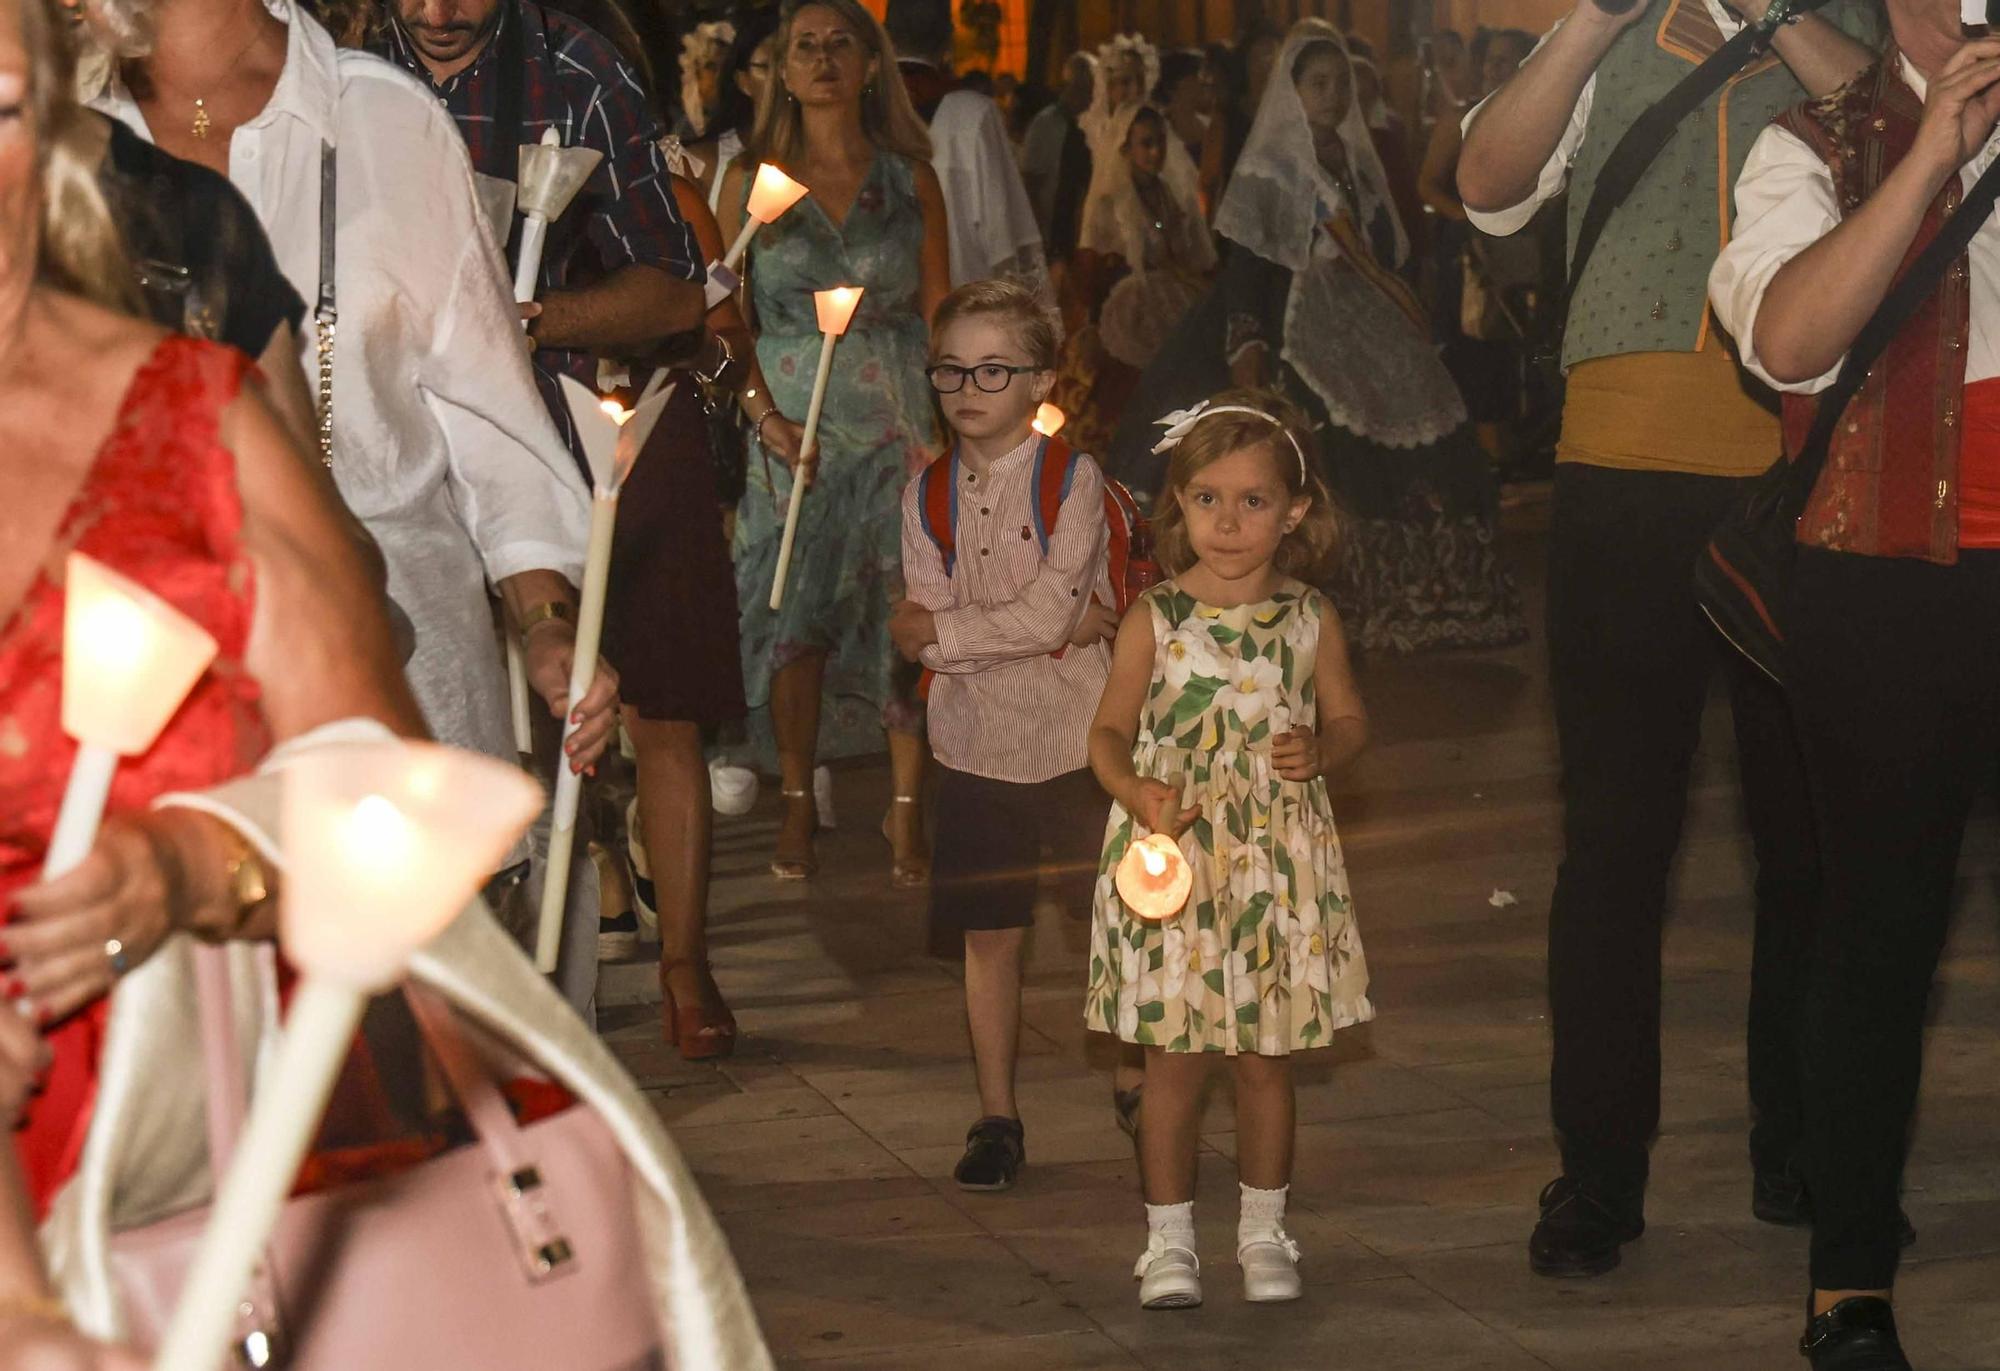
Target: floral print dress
<point>1265,957</point>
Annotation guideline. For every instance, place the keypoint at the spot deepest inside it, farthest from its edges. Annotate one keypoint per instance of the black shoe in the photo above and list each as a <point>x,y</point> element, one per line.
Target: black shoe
<point>618,938</point>
<point>1779,1197</point>
<point>1581,1229</point>
<point>994,1151</point>
<point>1858,1334</point>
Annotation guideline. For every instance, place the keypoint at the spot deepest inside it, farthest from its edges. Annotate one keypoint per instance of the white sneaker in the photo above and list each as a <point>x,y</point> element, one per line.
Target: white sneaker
<point>734,789</point>
<point>1169,1277</point>
<point>1270,1269</point>
<point>823,796</point>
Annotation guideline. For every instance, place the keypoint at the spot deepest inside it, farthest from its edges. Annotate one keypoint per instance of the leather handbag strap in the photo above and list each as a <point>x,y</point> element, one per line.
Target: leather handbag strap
<point>539,1240</point>
<point>1642,143</point>
<point>1896,309</point>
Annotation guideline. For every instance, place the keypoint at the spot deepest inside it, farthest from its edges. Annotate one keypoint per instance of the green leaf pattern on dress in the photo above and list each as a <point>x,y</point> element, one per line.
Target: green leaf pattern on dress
<point>1265,957</point>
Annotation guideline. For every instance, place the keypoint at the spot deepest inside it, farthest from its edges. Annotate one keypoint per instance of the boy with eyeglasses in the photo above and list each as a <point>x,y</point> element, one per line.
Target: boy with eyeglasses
<point>1010,611</point>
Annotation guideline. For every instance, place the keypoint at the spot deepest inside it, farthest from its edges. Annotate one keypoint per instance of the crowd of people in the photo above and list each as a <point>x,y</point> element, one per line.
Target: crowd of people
<point>1171,392</point>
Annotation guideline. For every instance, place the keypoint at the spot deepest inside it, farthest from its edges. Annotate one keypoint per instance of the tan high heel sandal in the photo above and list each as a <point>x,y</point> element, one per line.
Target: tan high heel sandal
<point>786,866</point>
<point>905,873</point>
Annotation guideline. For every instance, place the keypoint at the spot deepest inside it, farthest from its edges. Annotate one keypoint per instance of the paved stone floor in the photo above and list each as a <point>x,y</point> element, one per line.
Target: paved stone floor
<point>825,1146</point>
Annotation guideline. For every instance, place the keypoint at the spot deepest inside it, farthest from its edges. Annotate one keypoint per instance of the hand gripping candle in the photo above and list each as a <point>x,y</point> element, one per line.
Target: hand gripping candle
<point>612,438</point>
<point>836,311</point>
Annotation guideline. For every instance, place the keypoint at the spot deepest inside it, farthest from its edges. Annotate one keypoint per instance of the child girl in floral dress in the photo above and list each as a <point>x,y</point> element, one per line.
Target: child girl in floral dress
<point>1230,699</point>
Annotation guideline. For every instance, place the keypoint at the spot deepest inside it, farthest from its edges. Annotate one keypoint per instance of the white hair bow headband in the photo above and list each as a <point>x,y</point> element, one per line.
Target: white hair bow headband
<point>1182,421</point>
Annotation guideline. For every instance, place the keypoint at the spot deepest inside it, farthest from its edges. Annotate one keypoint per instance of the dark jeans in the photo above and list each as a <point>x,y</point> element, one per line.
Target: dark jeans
<point>1898,701</point>
<point>1631,658</point>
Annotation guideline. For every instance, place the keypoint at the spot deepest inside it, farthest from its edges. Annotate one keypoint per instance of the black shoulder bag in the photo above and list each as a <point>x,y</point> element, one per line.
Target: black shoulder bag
<point>1743,578</point>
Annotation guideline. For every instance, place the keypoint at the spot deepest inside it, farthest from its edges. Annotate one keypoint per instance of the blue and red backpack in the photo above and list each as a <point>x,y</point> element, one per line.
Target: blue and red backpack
<point>1130,550</point>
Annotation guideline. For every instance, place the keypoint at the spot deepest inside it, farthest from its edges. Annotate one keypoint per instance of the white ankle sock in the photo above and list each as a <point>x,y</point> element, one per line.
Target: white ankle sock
<point>1262,1218</point>
<point>1170,1225</point>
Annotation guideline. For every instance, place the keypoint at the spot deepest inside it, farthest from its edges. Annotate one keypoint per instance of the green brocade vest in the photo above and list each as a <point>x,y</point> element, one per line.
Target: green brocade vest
<point>1646,288</point>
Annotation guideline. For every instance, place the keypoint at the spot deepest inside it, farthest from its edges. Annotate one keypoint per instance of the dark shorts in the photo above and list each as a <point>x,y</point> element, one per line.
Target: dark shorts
<point>992,841</point>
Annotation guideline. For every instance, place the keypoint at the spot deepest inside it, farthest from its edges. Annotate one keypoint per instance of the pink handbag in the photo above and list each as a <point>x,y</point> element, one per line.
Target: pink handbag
<point>519,1251</point>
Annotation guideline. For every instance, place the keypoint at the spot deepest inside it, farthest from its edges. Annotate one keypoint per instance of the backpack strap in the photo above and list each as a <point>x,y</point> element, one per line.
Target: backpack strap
<point>937,505</point>
<point>1057,462</point>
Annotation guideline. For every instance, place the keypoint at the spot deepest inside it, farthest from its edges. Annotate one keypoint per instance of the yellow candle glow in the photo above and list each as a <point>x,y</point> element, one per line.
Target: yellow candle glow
<point>836,308</point>
<point>1154,879</point>
<point>1049,420</point>
<point>772,193</point>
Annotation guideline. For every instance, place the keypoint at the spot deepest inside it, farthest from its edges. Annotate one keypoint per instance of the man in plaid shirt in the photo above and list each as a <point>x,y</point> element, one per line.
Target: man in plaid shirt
<point>621,269</point>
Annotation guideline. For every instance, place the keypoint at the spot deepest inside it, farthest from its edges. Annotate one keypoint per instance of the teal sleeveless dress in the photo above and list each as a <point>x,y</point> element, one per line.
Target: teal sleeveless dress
<point>877,430</point>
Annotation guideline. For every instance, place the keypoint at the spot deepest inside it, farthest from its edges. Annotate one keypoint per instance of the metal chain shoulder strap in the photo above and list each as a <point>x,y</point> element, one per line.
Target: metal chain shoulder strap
<point>326,318</point>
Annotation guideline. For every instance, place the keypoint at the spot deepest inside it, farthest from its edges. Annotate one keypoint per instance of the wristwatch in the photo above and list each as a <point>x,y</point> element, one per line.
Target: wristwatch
<point>546,610</point>
<point>247,880</point>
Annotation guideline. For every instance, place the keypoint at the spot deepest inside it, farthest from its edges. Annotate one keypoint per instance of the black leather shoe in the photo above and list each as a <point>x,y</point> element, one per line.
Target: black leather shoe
<point>1581,1229</point>
<point>1779,1197</point>
<point>1858,1334</point>
<point>994,1150</point>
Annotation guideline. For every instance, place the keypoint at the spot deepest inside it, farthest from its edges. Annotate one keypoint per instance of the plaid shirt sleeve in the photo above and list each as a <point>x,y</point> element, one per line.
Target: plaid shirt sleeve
<point>632,213</point>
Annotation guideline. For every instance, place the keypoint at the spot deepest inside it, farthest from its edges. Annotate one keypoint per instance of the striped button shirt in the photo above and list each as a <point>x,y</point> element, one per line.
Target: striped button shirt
<point>1001,706</point>
<point>575,82</point>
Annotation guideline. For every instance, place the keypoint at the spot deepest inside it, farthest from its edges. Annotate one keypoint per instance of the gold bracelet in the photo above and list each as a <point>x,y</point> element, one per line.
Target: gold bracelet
<point>30,1306</point>
<point>543,612</point>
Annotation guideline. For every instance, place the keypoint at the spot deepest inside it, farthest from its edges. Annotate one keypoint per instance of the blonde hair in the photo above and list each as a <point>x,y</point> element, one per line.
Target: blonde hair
<point>891,122</point>
<point>81,250</point>
<point>1308,549</point>
<point>1037,327</point>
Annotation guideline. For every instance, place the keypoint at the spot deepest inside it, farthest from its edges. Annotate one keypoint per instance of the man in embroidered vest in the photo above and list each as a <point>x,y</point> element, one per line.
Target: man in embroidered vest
<point>1895,638</point>
<point>1658,435</point>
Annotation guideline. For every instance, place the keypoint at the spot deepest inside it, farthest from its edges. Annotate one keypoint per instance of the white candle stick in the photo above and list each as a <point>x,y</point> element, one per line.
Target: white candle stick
<point>384,844</point>
<point>129,659</point>
<point>551,175</point>
<point>517,696</point>
<point>771,194</point>
<point>836,311</point>
<point>612,439</point>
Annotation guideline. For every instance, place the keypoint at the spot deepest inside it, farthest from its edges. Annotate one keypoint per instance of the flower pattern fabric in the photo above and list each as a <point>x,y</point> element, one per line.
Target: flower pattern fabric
<point>878,429</point>
<point>1265,957</point>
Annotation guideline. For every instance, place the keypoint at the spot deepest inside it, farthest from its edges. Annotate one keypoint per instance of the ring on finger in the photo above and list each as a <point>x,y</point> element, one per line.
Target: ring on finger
<point>114,953</point>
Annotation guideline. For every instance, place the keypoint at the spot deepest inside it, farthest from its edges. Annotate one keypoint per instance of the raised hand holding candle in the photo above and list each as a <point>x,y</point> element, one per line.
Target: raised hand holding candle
<point>1154,879</point>
<point>836,311</point>
<point>612,437</point>
<point>1048,420</point>
<point>771,194</point>
<point>384,844</point>
<point>129,659</point>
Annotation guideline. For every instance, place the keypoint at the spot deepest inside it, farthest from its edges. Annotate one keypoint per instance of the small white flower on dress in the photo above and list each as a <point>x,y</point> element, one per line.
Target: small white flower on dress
<point>1250,871</point>
<point>1252,690</point>
<point>1307,955</point>
<point>1182,960</point>
<point>1184,654</point>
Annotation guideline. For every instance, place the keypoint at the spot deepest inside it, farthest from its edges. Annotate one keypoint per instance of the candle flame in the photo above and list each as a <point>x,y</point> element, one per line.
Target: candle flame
<point>772,193</point>
<point>619,414</point>
<point>378,832</point>
<point>1048,421</point>
<point>117,633</point>
<point>1155,864</point>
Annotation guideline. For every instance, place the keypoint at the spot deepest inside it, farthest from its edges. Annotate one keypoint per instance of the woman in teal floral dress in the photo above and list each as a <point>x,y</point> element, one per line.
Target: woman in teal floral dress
<point>1230,700</point>
<point>838,120</point>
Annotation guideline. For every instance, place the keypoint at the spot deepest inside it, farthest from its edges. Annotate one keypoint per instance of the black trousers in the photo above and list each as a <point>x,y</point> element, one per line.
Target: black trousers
<point>1631,658</point>
<point>1898,702</point>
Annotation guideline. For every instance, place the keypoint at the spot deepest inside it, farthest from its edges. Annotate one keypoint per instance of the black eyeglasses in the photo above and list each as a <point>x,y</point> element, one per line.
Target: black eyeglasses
<point>991,377</point>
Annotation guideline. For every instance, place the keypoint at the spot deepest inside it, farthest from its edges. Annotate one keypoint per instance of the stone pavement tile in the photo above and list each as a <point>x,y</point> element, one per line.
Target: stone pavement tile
<point>823,1296</point>
<point>1392,1324</point>
<point>781,1162</point>
<point>1419,1032</point>
<point>1948,1309</point>
<point>723,1102</point>
<point>1043,1352</point>
<point>839,1215</point>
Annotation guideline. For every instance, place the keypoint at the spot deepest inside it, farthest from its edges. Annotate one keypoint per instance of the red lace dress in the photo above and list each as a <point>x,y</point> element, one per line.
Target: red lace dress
<point>158,504</point>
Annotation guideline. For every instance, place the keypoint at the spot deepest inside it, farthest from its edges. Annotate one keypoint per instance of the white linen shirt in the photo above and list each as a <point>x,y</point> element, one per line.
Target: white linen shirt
<point>1786,202</point>
<point>993,229</point>
<point>441,445</point>
<point>1555,171</point>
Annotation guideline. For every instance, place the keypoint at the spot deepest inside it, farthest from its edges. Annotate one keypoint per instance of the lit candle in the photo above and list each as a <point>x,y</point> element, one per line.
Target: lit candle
<point>771,194</point>
<point>551,175</point>
<point>1154,879</point>
<point>129,659</point>
<point>1048,420</point>
<point>836,311</point>
<point>612,437</point>
<point>384,844</point>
